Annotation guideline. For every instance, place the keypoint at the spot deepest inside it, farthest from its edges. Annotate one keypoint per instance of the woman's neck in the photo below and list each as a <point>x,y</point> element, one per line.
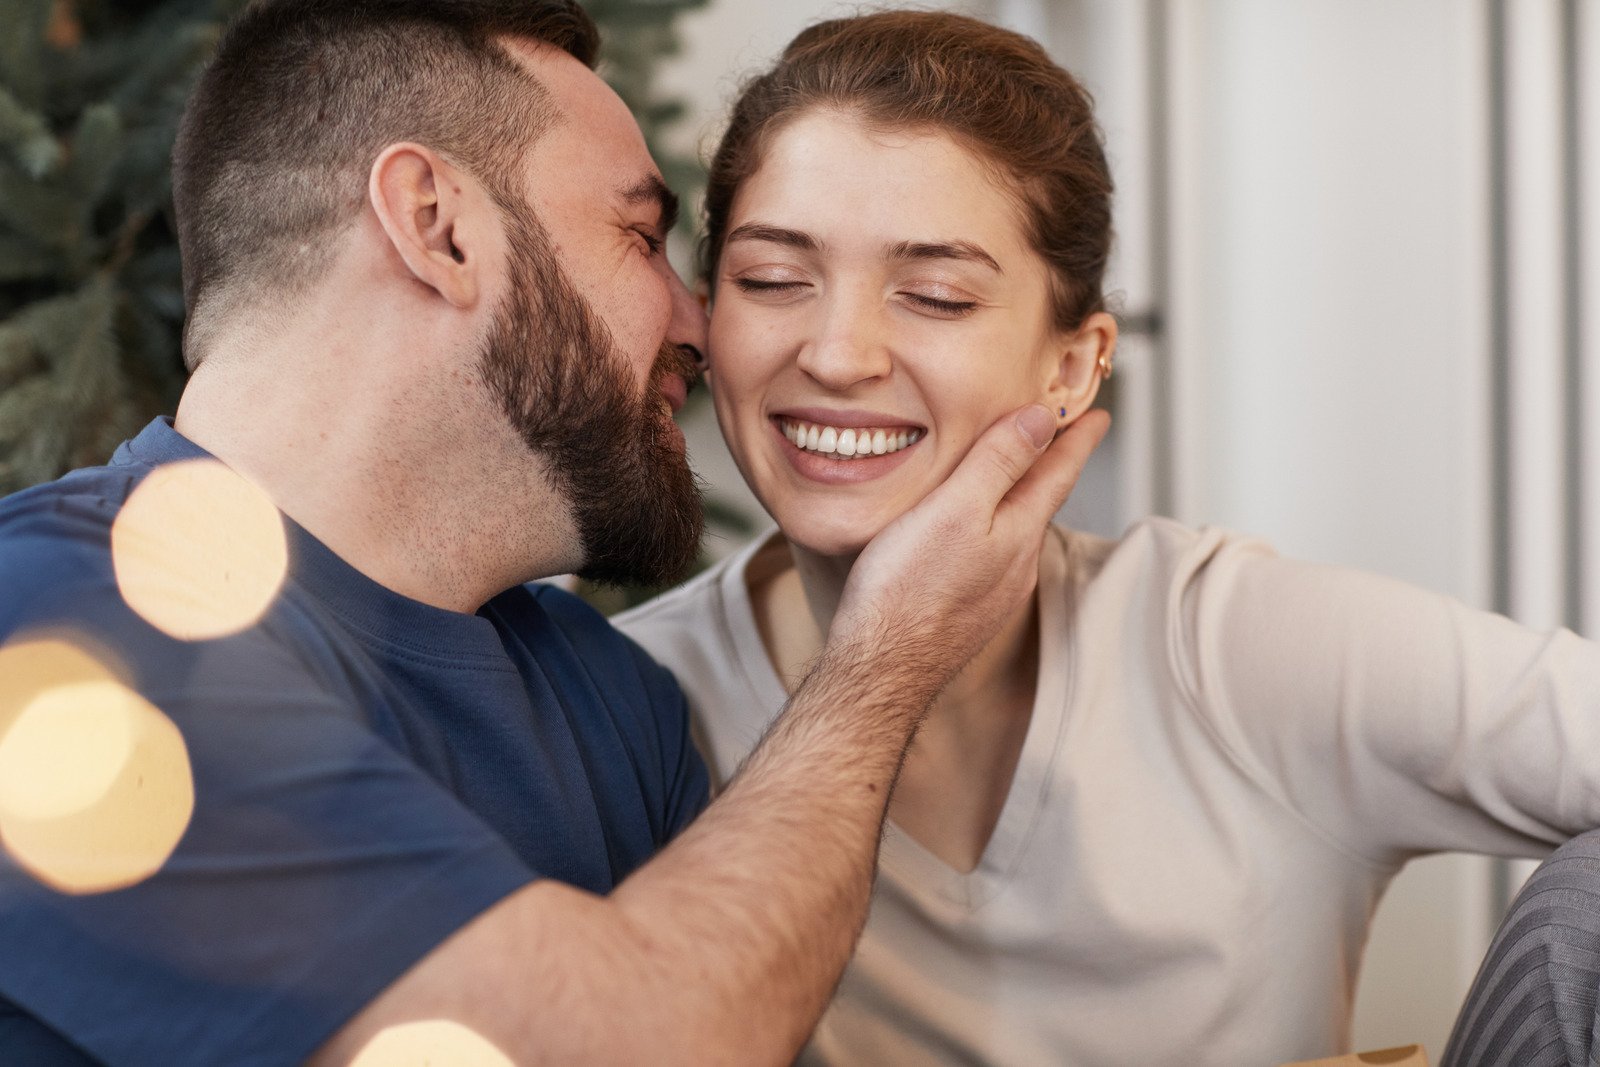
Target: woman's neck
<point>795,605</point>
<point>958,771</point>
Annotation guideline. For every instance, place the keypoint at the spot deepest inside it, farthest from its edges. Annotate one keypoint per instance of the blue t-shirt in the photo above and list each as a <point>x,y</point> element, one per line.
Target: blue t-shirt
<point>370,773</point>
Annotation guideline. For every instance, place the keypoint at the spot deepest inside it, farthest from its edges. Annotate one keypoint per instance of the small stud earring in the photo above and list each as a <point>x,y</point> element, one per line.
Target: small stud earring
<point>1062,413</point>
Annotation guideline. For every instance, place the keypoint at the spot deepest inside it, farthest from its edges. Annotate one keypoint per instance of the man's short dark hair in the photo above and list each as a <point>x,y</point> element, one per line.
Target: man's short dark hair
<point>277,141</point>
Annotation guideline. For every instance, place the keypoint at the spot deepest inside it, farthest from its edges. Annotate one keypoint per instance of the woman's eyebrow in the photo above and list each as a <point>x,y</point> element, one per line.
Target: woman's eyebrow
<point>963,250</point>
<point>760,231</point>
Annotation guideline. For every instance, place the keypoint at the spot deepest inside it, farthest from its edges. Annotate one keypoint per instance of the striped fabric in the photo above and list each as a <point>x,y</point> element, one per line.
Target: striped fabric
<point>1533,1002</point>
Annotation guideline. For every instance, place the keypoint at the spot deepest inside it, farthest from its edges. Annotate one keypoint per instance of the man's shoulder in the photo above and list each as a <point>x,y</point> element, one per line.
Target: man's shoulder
<point>70,510</point>
<point>612,660</point>
<point>573,614</point>
<point>63,573</point>
<point>55,541</point>
<point>588,633</point>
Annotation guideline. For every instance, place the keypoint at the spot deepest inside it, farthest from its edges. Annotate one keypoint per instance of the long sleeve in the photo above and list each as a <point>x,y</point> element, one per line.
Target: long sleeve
<point>1395,720</point>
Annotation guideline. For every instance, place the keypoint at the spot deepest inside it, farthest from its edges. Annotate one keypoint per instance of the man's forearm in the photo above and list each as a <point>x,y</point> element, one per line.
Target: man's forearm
<point>769,889</point>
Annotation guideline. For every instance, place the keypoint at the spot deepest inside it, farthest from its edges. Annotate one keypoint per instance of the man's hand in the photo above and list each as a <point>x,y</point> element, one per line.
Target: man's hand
<point>939,582</point>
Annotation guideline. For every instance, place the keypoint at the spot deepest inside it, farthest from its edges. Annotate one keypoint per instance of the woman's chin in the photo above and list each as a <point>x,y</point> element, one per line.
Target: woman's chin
<point>829,540</point>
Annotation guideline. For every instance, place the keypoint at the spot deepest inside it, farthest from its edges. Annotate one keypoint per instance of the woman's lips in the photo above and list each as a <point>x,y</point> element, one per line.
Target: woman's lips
<point>845,447</point>
<point>847,442</point>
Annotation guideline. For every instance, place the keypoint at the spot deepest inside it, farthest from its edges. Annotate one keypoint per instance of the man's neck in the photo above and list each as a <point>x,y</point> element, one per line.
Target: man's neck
<point>419,485</point>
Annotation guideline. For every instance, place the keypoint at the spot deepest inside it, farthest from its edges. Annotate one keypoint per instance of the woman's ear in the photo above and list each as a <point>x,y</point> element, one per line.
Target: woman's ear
<point>430,214</point>
<point>1085,361</point>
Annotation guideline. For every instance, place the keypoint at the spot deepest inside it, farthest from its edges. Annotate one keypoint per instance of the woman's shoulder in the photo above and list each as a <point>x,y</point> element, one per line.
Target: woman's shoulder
<point>1153,550</point>
<point>680,606</point>
<point>700,621</point>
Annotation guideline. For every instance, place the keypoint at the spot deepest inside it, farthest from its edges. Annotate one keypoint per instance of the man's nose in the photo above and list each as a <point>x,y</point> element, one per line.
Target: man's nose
<point>689,323</point>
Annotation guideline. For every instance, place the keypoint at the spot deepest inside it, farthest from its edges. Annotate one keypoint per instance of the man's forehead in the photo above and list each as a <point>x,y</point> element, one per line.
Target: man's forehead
<point>594,124</point>
<point>580,94</point>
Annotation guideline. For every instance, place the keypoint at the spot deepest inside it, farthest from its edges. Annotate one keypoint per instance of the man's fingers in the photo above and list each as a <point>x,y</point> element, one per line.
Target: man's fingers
<point>1000,457</point>
<point>1044,487</point>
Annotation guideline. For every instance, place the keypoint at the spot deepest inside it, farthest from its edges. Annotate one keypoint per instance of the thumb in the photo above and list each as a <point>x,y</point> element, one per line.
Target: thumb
<point>999,458</point>
<point>1041,491</point>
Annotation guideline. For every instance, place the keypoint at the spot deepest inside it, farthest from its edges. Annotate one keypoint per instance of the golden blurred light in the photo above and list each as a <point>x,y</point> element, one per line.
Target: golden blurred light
<point>199,552</point>
<point>94,716</point>
<point>430,1043</point>
<point>95,783</point>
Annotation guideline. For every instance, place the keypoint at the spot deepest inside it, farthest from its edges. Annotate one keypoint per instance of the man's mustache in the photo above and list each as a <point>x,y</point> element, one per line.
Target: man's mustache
<point>681,360</point>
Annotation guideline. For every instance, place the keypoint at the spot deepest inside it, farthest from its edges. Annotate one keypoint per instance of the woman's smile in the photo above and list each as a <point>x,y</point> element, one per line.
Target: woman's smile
<point>842,448</point>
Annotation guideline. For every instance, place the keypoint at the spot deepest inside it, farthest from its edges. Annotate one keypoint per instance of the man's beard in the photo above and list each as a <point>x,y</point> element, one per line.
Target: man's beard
<point>567,391</point>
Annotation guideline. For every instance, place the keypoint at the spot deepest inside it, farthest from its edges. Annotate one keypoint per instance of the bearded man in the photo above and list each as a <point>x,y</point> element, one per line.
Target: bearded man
<point>390,796</point>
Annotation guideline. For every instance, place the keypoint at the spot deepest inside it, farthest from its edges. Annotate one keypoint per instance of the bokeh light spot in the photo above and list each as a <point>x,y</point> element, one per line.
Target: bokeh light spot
<point>430,1043</point>
<point>199,552</point>
<point>81,727</point>
<point>95,783</point>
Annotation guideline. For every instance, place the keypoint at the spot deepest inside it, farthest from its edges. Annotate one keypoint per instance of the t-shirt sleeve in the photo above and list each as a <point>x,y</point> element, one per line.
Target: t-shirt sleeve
<point>317,865</point>
<point>1396,720</point>
<point>651,711</point>
<point>688,784</point>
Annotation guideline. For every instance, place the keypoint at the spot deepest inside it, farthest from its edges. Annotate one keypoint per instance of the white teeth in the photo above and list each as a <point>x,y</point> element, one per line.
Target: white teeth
<point>848,442</point>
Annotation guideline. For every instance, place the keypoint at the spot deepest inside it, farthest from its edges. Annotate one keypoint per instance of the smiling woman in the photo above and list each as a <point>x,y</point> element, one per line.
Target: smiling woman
<point>862,270</point>
<point>1177,782</point>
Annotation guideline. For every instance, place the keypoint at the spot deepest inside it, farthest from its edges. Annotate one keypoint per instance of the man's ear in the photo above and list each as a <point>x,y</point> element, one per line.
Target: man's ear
<point>1084,361</point>
<point>429,210</point>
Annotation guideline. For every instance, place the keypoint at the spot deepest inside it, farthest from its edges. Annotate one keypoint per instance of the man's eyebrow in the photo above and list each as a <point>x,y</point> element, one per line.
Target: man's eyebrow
<point>963,250</point>
<point>760,231</point>
<point>652,188</point>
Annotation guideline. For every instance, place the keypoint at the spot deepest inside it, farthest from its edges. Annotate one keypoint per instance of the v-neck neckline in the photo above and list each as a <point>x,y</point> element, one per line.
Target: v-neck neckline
<point>902,856</point>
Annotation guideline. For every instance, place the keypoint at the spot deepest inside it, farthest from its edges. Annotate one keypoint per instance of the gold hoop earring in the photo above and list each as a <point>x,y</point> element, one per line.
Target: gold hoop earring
<point>1103,364</point>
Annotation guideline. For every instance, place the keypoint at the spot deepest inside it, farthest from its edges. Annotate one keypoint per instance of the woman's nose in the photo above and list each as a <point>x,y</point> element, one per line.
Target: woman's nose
<point>845,352</point>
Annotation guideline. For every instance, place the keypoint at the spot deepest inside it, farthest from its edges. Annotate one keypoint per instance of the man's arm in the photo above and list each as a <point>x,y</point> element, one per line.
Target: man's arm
<point>726,947</point>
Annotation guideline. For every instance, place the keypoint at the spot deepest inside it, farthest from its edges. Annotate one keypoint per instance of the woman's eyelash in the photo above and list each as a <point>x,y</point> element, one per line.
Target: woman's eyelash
<point>948,307</point>
<point>953,308</point>
<point>761,285</point>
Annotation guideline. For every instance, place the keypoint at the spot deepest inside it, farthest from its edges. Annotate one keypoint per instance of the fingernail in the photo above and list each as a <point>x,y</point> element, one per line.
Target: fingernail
<point>1037,424</point>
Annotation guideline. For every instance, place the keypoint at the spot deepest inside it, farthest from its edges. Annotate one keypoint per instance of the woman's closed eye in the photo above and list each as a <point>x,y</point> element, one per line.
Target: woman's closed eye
<point>940,305</point>
<point>775,286</point>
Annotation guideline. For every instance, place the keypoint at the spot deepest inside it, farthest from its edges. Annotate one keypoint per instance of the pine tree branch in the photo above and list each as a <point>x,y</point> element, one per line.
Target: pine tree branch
<point>95,153</point>
<point>22,259</point>
<point>27,135</point>
<point>23,24</point>
<point>47,214</point>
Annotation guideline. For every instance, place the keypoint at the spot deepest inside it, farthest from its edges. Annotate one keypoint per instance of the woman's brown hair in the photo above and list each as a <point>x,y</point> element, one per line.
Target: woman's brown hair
<point>994,91</point>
